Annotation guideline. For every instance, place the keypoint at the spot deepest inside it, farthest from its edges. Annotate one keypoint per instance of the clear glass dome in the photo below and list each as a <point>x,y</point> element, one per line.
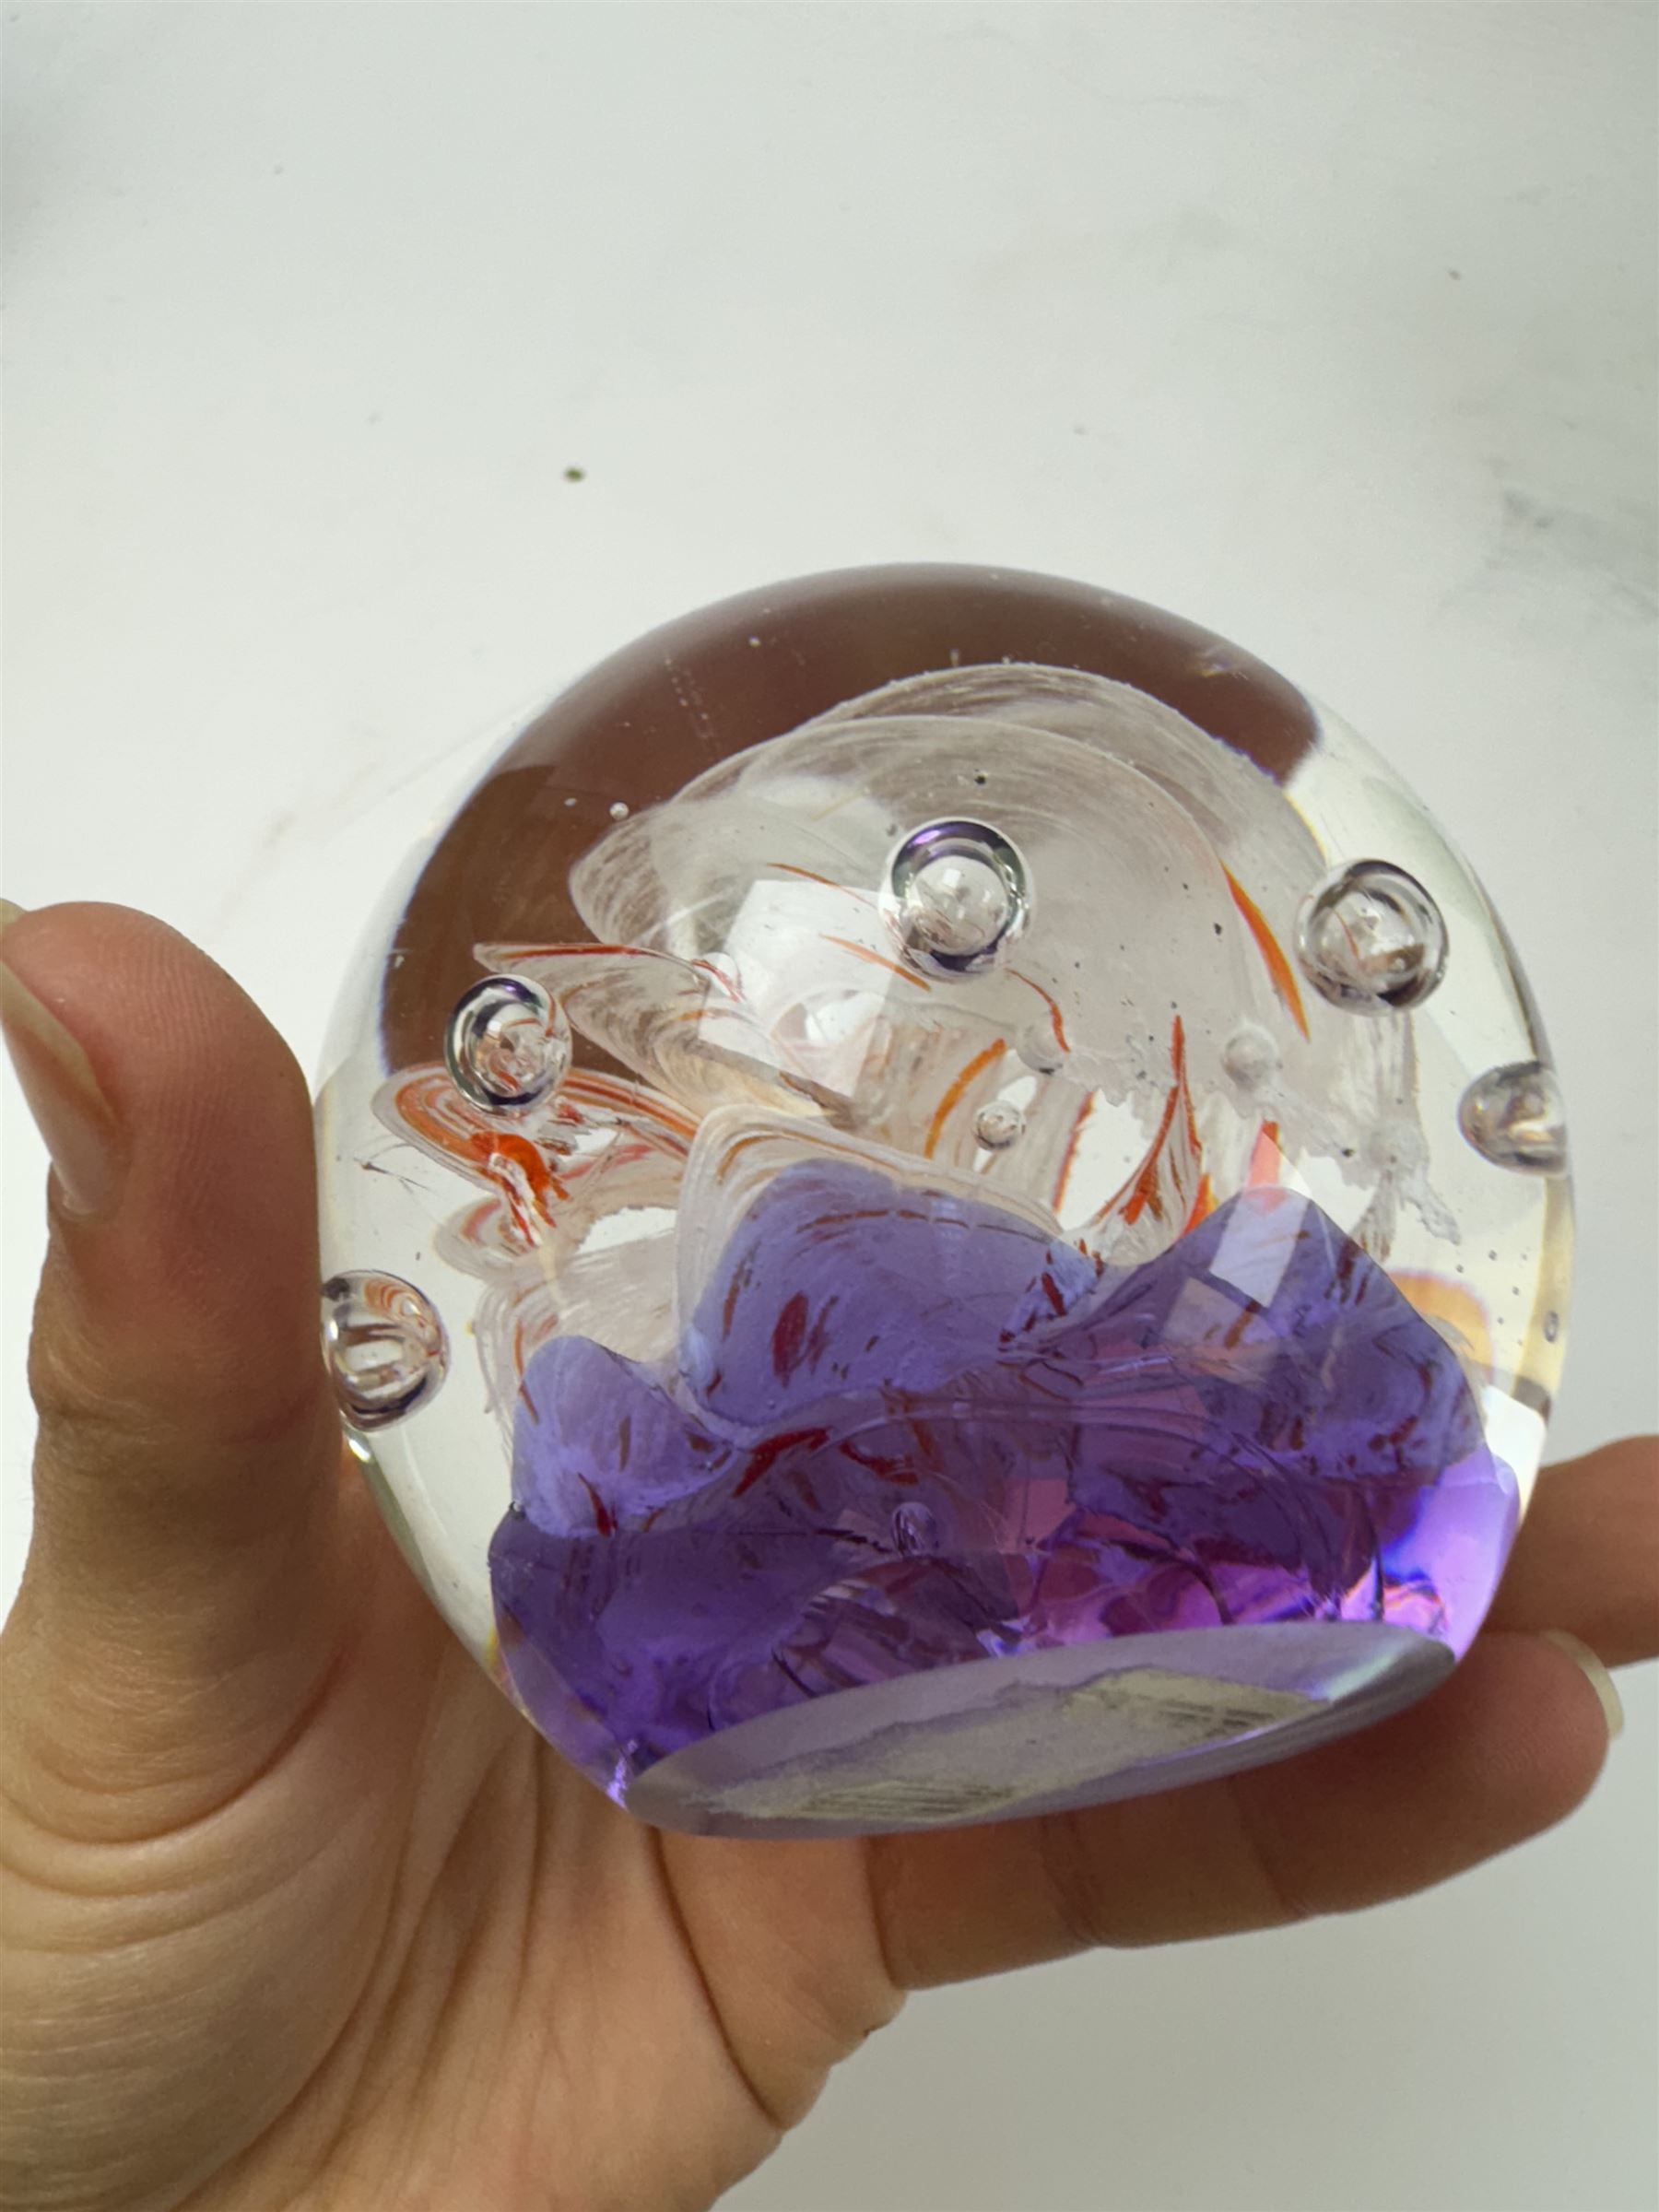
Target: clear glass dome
<point>943,1201</point>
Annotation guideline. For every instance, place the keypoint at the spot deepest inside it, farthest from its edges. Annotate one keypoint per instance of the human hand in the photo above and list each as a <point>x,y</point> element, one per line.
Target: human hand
<point>299,1914</point>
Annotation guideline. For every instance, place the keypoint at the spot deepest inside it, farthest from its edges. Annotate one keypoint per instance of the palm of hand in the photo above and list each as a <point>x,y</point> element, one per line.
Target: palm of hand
<point>410,1958</point>
<point>304,1916</point>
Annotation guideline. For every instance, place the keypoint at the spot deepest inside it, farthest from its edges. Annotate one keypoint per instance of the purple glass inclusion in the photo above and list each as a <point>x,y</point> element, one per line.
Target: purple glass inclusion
<point>906,1430</point>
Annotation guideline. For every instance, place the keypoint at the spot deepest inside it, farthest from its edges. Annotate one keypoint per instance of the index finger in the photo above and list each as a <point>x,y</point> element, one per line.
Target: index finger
<point>1587,1557</point>
<point>1507,1747</point>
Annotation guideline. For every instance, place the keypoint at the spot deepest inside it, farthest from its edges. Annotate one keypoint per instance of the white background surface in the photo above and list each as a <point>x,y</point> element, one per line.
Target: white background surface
<point>1331,326</point>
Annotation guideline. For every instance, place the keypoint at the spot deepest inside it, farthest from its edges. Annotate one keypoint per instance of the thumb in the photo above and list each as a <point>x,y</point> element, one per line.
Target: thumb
<point>184,1594</point>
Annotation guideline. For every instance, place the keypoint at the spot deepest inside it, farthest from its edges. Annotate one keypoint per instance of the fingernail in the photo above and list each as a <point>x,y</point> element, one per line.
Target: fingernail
<point>56,1078</point>
<point>1601,1681</point>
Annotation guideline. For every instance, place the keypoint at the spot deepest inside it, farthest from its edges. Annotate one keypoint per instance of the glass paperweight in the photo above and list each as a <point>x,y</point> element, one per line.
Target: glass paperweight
<point>943,1201</point>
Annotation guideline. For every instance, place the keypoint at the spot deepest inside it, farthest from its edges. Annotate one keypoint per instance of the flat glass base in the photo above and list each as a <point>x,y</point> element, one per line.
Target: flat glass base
<point>1000,1739</point>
